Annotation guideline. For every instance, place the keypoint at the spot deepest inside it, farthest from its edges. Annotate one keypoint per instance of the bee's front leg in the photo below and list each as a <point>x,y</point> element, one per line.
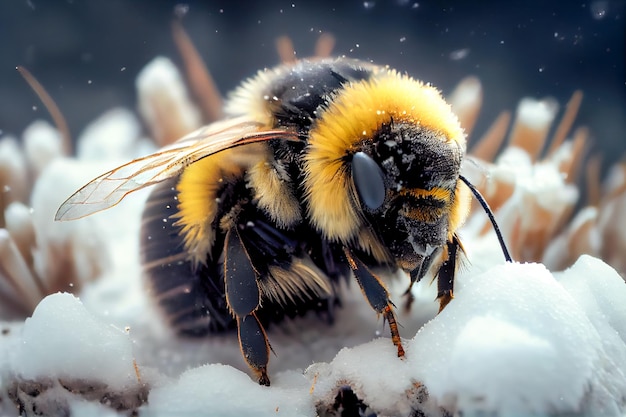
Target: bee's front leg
<point>377,295</point>
<point>447,270</point>
<point>243,298</point>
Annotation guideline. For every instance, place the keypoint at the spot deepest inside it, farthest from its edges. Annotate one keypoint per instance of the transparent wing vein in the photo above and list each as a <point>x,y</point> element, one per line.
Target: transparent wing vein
<point>111,187</point>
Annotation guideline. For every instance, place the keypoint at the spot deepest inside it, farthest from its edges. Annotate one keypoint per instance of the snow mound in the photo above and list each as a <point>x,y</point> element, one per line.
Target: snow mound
<point>221,390</point>
<point>70,363</point>
<point>516,340</point>
<point>77,345</point>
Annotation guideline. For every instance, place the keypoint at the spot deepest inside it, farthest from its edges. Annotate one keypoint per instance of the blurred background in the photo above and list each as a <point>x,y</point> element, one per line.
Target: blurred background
<point>87,53</point>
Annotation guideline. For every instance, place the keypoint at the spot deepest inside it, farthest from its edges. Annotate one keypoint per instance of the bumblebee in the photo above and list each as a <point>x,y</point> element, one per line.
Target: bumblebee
<point>322,169</point>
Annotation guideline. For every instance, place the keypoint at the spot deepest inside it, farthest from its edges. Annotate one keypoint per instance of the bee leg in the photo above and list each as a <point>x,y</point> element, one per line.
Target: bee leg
<point>377,295</point>
<point>243,297</point>
<point>445,276</point>
<point>254,345</point>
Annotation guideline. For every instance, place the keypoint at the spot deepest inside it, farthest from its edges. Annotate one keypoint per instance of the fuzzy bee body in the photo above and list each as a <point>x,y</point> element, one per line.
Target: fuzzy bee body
<point>321,168</point>
<point>192,295</point>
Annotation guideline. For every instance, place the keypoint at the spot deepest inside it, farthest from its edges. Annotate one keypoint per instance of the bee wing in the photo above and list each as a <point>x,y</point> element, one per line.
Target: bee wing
<point>111,187</point>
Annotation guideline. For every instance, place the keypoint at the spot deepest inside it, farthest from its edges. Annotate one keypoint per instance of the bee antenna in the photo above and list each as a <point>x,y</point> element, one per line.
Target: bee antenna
<point>483,203</point>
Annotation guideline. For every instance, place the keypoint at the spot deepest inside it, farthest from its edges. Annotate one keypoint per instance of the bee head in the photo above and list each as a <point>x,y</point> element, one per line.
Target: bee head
<point>406,179</point>
<point>382,169</point>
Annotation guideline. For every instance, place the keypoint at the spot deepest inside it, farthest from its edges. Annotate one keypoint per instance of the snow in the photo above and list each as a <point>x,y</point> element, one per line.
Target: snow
<point>88,248</point>
<point>162,98</point>
<point>77,345</point>
<point>537,114</point>
<point>599,291</point>
<point>42,144</point>
<point>224,391</point>
<point>541,183</point>
<point>516,340</point>
<point>466,95</point>
<point>111,137</point>
<point>373,371</point>
<point>13,170</point>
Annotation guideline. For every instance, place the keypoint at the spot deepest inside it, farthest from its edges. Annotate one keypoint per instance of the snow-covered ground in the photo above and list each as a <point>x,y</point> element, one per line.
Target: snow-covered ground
<point>517,340</point>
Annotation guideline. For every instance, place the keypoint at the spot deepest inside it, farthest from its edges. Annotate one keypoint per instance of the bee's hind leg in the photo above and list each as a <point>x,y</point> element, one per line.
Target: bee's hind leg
<point>254,346</point>
<point>242,296</point>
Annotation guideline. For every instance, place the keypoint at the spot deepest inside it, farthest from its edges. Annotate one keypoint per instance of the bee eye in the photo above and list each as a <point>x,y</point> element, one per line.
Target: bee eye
<point>368,179</point>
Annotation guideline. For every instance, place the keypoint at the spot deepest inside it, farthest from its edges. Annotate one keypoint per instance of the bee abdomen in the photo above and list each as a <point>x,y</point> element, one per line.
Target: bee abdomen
<point>190,296</point>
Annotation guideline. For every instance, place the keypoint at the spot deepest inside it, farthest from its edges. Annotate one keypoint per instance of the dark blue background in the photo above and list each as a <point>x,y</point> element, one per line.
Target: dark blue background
<point>77,49</point>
